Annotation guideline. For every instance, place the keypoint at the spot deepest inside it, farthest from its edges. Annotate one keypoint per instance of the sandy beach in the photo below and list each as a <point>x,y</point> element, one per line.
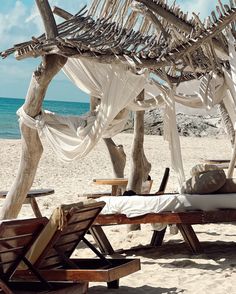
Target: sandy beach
<point>169,269</point>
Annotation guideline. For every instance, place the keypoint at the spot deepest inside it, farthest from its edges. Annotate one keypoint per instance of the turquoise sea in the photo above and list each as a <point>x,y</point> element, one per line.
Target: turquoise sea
<point>9,128</point>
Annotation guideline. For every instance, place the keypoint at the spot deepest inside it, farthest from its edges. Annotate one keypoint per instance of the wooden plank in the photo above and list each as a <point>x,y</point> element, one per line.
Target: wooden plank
<point>86,215</point>
<point>32,193</point>
<point>101,240</point>
<point>5,288</point>
<point>30,198</point>
<point>119,269</point>
<point>24,287</point>
<point>164,181</point>
<point>190,238</point>
<point>157,238</point>
<point>35,207</point>
<point>77,228</point>
<point>226,215</point>
<point>16,231</point>
<point>191,217</point>
<point>115,181</point>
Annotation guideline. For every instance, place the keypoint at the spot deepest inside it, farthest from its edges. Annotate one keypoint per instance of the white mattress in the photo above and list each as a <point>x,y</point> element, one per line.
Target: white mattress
<point>133,206</point>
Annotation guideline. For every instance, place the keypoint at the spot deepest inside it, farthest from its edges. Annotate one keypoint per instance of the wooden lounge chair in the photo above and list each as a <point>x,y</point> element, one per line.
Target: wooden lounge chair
<point>54,262</point>
<point>16,237</point>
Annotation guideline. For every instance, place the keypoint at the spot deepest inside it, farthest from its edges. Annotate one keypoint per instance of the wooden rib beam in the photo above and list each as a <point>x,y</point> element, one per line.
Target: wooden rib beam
<point>61,12</point>
<point>170,17</point>
<point>48,18</point>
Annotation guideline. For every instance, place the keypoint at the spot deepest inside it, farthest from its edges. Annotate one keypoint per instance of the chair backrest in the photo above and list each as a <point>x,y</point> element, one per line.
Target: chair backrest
<point>76,224</point>
<point>164,181</point>
<point>16,237</point>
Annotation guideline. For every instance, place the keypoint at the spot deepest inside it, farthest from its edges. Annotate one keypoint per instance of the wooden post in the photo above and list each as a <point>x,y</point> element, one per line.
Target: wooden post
<point>31,146</point>
<point>118,157</point>
<point>140,167</point>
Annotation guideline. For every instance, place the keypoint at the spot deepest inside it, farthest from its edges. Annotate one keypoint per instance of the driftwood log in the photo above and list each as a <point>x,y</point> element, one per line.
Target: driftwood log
<point>31,146</point>
<point>118,157</point>
<point>140,167</point>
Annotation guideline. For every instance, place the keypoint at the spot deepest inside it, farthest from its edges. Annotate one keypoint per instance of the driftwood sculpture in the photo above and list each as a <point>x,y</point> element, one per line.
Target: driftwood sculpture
<point>152,36</point>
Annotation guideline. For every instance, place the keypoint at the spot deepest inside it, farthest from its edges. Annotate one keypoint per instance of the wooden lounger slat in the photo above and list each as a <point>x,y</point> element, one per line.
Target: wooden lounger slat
<point>7,262</point>
<point>11,250</point>
<point>17,230</point>
<point>91,271</point>
<point>80,221</point>
<point>19,238</point>
<point>68,238</point>
<point>85,215</point>
<point>77,228</point>
<point>66,243</point>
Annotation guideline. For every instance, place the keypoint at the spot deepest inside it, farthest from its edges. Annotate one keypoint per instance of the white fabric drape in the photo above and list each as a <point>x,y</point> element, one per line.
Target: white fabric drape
<point>75,137</point>
<point>230,99</point>
<point>172,136</point>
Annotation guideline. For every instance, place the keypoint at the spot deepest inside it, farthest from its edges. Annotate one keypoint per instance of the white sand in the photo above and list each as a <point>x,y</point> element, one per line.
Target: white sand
<point>170,269</point>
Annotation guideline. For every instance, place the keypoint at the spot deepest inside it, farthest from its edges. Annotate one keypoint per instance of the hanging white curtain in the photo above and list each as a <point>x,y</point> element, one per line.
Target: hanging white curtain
<point>230,98</point>
<point>171,135</point>
<point>114,84</point>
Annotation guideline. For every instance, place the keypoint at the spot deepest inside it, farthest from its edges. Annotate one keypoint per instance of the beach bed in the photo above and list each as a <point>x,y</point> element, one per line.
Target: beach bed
<point>182,210</point>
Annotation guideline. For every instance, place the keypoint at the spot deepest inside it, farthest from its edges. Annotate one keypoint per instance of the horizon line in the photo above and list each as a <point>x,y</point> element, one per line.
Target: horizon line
<point>49,99</point>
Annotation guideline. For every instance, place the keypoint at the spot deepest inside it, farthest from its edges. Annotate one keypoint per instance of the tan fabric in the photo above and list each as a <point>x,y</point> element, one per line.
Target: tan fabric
<point>200,168</point>
<point>205,183</point>
<point>228,187</point>
<point>56,222</point>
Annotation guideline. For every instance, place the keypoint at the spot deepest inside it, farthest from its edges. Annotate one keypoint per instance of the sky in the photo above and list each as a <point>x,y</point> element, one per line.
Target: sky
<point>20,20</point>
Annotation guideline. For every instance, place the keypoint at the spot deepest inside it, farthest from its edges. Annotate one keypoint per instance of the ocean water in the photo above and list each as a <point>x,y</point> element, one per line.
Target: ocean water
<point>9,127</point>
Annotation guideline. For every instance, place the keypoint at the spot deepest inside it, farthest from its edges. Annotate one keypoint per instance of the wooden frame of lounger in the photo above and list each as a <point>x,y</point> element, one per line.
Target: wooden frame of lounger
<point>55,262</point>
<point>16,237</point>
<point>183,220</point>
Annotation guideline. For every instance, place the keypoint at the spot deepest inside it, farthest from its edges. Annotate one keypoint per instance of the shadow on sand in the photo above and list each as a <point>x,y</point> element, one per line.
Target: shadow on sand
<point>139,290</point>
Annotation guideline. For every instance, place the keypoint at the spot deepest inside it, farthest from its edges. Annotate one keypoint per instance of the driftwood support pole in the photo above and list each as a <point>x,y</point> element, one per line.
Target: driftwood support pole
<point>140,167</point>
<point>118,157</point>
<point>31,146</point>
